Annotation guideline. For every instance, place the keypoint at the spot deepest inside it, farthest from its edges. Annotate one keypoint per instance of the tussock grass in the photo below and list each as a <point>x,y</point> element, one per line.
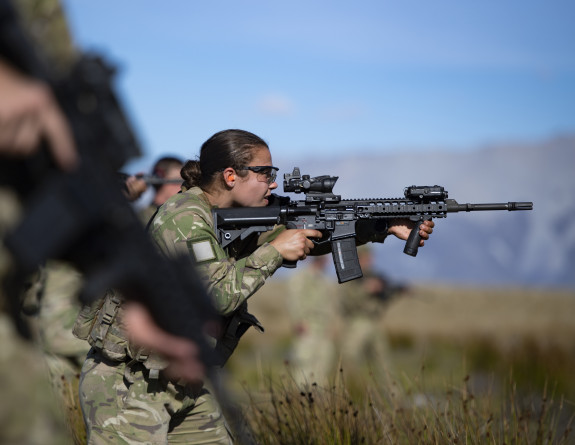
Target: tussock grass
<point>394,412</point>
<point>465,365</point>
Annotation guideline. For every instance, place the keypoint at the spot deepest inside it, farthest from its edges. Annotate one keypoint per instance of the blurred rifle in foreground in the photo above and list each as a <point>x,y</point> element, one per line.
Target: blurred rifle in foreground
<point>82,216</point>
<point>341,220</point>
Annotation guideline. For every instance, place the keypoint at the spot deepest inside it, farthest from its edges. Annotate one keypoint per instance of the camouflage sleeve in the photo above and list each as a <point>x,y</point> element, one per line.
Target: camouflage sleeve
<point>268,237</point>
<point>229,281</point>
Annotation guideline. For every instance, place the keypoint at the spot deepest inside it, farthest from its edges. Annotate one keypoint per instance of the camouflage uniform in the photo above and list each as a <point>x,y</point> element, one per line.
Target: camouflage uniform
<point>120,400</point>
<point>57,307</point>
<point>122,405</point>
<point>184,225</point>
<point>363,339</point>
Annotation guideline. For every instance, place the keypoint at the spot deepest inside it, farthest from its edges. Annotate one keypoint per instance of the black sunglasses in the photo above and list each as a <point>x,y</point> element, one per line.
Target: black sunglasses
<point>267,171</point>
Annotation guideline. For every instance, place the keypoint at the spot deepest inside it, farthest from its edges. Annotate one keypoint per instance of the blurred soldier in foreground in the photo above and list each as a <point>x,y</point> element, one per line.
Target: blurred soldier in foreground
<point>30,114</point>
<point>313,309</point>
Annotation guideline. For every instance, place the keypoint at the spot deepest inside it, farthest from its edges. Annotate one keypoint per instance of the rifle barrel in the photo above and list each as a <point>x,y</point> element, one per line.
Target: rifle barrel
<point>151,179</point>
<point>453,206</point>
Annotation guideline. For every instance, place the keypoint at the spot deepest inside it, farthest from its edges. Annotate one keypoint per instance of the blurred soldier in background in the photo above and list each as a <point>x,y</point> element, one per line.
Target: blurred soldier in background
<point>134,187</point>
<point>313,309</point>
<point>363,304</point>
<point>166,168</point>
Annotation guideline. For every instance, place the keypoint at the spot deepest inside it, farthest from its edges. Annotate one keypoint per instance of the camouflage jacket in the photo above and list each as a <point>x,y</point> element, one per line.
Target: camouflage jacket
<point>184,225</point>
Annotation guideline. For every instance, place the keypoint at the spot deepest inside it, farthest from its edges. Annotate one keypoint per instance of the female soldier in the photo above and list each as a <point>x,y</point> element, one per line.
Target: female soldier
<point>234,170</point>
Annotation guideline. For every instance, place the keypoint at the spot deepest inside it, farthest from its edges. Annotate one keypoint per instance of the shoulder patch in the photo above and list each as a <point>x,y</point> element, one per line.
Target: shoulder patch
<point>202,250</point>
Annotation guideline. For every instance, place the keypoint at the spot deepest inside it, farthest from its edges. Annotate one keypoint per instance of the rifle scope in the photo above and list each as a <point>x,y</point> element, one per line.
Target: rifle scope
<point>297,183</point>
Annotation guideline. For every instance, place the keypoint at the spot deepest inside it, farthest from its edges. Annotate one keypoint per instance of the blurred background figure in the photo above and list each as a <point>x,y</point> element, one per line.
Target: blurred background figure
<point>166,169</point>
<point>363,303</point>
<point>313,310</point>
<point>134,187</point>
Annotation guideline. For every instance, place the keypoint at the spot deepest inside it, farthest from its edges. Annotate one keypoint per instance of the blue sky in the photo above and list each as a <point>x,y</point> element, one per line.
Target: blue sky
<point>334,77</point>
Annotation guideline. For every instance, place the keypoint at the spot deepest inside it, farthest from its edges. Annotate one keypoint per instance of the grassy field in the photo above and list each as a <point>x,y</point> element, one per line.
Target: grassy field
<point>490,329</point>
<point>464,365</point>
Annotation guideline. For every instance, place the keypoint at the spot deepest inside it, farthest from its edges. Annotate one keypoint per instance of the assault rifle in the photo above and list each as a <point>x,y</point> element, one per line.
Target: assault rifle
<point>342,220</point>
<point>150,179</point>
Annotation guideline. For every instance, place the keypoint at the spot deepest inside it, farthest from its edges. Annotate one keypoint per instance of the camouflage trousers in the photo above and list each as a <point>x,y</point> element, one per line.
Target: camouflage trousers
<point>121,405</point>
<point>363,343</point>
<point>313,357</point>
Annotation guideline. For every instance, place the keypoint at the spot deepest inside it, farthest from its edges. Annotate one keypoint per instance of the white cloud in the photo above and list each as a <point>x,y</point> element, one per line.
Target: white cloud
<point>275,104</point>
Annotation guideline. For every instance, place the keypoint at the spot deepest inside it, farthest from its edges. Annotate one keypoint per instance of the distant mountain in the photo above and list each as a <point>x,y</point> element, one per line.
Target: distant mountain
<point>497,248</point>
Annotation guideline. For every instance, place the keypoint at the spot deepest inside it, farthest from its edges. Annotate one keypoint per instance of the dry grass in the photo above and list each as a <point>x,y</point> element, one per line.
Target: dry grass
<point>466,365</point>
<point>504,317</point>
<point>460,314</point>
<point>391,413</point>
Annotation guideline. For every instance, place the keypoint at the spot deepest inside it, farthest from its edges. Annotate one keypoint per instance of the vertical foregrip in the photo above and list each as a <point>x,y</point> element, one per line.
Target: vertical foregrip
<point>412,243</point>
<point>344,252</point>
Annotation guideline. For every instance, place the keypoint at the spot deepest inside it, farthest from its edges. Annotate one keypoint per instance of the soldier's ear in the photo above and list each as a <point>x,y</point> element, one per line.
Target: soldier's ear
<point>230,177</point>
